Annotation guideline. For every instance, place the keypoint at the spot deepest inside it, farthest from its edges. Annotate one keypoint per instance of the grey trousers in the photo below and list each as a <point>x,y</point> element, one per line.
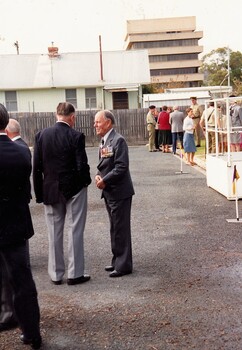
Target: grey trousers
<point>74,212</point>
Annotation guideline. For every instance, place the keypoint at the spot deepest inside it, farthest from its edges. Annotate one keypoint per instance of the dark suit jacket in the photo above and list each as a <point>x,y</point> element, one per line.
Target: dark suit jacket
<point>60,167</point>
<point>21,142</point>
<point>15,169</point>
<point>114,169</point>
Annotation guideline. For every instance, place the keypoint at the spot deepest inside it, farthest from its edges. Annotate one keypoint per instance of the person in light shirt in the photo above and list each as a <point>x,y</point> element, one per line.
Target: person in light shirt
<point>188,140</point>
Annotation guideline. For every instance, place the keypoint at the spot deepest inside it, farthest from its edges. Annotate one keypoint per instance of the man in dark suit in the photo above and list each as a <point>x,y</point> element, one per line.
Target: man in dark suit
<point>7,316</point>
<point>113,178</point>
<point>13,130</point>
<point>18,290</point>
<point>61,175</point>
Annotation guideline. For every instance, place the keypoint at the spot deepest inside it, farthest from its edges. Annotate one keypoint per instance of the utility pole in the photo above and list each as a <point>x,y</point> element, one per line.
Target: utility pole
<point>101,57</point>
<point>16,44</point>
<point>228,68</point>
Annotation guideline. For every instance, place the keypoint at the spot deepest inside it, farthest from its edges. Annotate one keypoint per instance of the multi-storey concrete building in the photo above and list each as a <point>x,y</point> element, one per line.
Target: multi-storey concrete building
<point>173,49</point>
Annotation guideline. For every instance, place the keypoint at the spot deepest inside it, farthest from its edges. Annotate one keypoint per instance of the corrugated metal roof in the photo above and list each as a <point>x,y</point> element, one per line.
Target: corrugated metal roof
<point>74,70</point>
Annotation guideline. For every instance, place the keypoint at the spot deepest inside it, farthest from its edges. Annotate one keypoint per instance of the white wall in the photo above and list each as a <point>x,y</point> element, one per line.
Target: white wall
<point>133,99</point>
<point>39,100</point>
<point>108,100</point>
<point>46,100</point>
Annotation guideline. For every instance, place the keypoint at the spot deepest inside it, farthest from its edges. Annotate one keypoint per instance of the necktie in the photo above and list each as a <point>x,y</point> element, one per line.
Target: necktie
<point>100,147</point>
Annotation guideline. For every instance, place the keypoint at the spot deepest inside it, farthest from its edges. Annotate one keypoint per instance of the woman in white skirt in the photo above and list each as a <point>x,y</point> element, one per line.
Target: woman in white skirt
<point>188,140</point>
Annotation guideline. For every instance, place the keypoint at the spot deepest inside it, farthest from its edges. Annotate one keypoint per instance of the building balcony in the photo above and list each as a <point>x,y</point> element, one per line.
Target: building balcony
<point>175,64</point>
<point>174,50</point>
<point>161,25</point>
<point>140,38</point>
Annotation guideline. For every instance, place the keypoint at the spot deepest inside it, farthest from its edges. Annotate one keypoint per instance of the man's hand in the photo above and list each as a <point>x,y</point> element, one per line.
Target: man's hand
<point>99,182</point>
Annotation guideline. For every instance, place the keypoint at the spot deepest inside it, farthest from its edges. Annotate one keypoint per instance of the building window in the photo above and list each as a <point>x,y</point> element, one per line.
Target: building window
<point>165,43</point>
<point>91,98</point>
<point>11,101</point>
<point>173,71</point>
<point>176,57</point>
<point>71,97</point>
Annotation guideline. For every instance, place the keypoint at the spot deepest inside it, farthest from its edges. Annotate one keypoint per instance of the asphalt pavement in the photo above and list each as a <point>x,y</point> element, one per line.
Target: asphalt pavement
<point>186,289</point>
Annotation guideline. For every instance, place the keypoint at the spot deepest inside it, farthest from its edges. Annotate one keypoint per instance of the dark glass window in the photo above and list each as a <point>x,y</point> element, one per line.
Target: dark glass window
<point>165,43</point>
<point>178,57</point>
<point>91,98</point>
<point>11,101</point>
<point>71,97</point>
<point>173,71</point>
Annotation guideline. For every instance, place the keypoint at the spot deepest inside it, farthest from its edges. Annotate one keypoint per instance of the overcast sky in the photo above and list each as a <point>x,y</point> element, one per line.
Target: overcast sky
<point>75,25</point>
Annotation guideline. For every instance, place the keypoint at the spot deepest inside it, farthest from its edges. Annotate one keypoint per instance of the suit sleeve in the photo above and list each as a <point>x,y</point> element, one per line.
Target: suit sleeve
<point>83,169</point>
<point>38,171</point>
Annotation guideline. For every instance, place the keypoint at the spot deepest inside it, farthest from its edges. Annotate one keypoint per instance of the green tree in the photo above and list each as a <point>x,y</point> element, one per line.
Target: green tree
<point>236,65</point>
<point>153,88</point>
<point>215,68</point>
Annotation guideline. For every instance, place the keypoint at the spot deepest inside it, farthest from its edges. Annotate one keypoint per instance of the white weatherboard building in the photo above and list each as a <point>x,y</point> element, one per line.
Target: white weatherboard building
<point>181,96</point>
<point>89,80</point>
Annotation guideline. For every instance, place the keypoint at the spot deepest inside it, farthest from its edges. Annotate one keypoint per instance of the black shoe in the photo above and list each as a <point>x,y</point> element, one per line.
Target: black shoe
<point>78,280</point>
<point>109,268</point>
<point>198,145</point>
<point>57,283</point>
<point>119,274</point>
<point>8,325</point>
<point>34,342</point>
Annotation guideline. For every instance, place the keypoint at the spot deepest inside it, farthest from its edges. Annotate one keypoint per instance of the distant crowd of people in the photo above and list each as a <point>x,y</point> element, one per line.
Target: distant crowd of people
<point>170,125</point>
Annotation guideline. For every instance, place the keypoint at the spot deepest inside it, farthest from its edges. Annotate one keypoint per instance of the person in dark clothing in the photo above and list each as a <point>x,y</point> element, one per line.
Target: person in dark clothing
<point>61,175</point>
<point>18,292</point>
<point>114,180</point>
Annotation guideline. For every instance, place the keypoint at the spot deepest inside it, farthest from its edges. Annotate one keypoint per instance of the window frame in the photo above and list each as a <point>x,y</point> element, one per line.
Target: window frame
<point>71,99</point>
<point>11,102</point>
<point>91,100</point>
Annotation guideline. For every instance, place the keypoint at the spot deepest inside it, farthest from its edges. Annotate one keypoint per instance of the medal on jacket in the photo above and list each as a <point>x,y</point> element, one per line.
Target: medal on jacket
<point>107,152</point>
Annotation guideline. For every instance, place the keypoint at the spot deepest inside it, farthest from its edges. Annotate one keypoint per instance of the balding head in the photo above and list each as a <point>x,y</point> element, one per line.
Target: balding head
<point>13,128</point>
<point>13,125</point>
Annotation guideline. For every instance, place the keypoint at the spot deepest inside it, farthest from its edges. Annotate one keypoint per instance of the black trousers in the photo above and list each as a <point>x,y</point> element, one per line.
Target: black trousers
<point>157,139</point>
<point>119,212</point>
<point>17,289</point>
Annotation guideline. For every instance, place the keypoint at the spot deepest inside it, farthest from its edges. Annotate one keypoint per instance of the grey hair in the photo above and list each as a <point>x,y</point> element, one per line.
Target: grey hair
<point>109,115</point>
<point>13,126</point>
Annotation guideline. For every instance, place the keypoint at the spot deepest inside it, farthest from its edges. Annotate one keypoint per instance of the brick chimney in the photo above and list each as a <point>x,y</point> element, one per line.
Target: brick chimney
<point>53,51</point>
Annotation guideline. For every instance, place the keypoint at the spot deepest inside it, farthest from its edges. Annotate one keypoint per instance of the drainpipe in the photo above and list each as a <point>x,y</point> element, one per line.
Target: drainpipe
<point>101,69</point>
